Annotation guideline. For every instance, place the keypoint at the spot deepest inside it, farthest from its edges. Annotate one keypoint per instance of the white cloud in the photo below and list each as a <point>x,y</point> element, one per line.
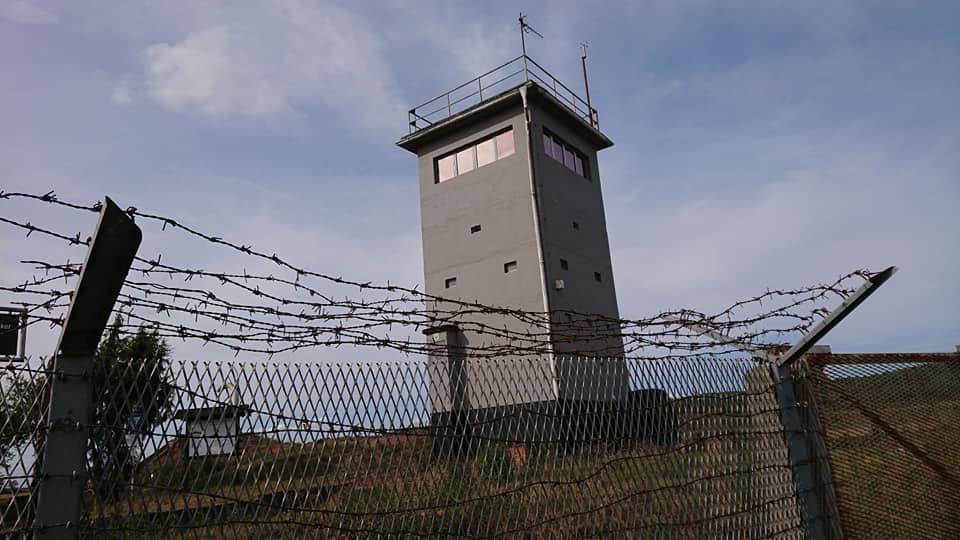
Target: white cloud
<point>26,12</point>
<point>120,94</point>
<point>264,60</point>
<point>207,74</point>
<point>475,46</point>
<point>812,223</point>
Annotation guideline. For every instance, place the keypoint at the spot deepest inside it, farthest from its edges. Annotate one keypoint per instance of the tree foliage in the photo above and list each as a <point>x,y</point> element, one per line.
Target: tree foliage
<point>21,412</point>
<point>131,396</point>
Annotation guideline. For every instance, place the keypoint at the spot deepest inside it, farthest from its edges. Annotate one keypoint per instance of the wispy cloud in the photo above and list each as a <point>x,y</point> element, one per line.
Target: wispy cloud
<point>120,94</point>
<point>26,12</point>
<point>756,146</point>
<point>288,56</point>
<point>206,73</point>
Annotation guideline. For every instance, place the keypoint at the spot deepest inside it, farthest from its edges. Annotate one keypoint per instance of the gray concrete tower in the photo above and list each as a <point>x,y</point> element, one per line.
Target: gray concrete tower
<point>512,215</point>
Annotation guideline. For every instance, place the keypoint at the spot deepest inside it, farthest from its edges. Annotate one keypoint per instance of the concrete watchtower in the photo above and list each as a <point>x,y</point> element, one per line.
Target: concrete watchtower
<point>512,215</point>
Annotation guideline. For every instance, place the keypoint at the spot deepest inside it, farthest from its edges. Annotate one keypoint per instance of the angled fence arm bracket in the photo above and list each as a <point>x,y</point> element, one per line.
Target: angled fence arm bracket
<point>823,327</point>
<point>802,429</point>
<point>800,422</point>
<point>62,461</point>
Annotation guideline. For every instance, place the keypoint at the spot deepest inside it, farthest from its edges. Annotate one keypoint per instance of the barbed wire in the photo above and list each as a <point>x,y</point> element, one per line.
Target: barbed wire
<point>275,322</point>
<point>728,435</point>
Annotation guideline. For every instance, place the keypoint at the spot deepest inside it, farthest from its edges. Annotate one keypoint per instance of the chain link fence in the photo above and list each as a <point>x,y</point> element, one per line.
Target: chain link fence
<point>343,450</point>
<point>705,426</point>
<point>892,428</point>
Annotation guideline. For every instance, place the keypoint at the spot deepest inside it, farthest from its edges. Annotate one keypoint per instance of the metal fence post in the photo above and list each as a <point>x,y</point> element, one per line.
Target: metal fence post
<point>801,426</point>
<point>807,453</point>
<point>62,478</point>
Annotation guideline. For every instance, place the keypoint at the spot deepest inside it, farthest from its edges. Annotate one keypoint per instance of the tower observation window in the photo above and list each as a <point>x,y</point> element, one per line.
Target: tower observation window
<point>571,158</point>
<point>478,154</point>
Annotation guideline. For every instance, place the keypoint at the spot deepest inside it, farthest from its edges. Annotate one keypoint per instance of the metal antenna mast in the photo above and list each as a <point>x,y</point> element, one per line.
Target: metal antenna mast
<point>586,85</point>
<point>524,28</point>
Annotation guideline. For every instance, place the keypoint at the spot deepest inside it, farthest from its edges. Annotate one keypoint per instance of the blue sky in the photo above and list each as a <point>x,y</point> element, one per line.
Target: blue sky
<point>758,144</point>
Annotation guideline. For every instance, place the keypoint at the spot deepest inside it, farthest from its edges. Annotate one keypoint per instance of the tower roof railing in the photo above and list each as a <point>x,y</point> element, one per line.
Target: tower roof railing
<point>509,74</point>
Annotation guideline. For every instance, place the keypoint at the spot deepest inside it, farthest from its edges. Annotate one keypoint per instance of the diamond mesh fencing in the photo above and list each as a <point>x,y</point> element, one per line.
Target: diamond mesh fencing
<point>892,428</point>
<point>689,448</point>
<point>23,394</point>
<point>335,417</point>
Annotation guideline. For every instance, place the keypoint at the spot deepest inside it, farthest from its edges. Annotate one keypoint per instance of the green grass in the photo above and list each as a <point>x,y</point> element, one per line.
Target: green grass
<point>883,489</point>
<point>601,490</point>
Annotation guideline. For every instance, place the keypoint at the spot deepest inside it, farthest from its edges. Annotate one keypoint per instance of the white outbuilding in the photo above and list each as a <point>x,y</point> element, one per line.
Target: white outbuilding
<point>212,431</point>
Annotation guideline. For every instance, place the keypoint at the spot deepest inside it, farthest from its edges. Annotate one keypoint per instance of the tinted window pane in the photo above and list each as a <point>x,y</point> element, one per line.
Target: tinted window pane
<point>446,169</point>
<point>465,160</point>
<point>578,164</point>
<point>568,158</point>
<point>548,145</point>
<point>505,144</point>
<point>557,150</point>
<point>486,152</point>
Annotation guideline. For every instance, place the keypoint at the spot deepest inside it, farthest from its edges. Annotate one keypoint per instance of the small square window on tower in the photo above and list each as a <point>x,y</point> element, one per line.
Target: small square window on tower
<point>475,229</point>
<point>576,225</point>
<point>597,277</point>
<point>564,265</point>
<point>510,267</point>
<point>450,283</point>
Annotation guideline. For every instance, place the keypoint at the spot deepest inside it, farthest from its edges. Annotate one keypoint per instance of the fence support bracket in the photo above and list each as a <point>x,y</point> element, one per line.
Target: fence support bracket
<point>801,423</point>
<point>62,468</point>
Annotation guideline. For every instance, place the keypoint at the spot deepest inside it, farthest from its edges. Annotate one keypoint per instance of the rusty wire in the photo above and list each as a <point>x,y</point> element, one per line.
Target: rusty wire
<point>725,438</point>
<point>272,322</point>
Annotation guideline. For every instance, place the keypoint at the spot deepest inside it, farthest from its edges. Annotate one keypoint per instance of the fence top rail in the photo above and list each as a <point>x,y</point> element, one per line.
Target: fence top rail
<point>824,359</point>
<point>510,73</point>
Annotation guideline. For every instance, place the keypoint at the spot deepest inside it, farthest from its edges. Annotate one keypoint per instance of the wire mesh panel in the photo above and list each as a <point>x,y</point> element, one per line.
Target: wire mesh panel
<point>892,427</point>
<point>480,430</point>
<point>22,401</point>
<point>214,450</point>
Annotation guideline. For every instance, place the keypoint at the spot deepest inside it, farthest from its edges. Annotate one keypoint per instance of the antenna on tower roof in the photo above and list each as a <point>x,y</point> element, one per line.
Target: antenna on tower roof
<point>524,28</point>
<point>586,85</point>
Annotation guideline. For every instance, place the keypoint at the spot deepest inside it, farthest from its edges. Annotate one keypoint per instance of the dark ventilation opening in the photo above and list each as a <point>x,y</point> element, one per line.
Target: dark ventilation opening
<point>576,226</point>
<point>450,282</point>
<point>475,229</point>
<point>597,277</point>
<point>509,267</point>
<point>564,265</point>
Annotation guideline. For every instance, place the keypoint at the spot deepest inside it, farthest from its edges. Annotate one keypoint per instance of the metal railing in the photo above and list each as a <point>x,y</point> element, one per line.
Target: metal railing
<point>507,75</point>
